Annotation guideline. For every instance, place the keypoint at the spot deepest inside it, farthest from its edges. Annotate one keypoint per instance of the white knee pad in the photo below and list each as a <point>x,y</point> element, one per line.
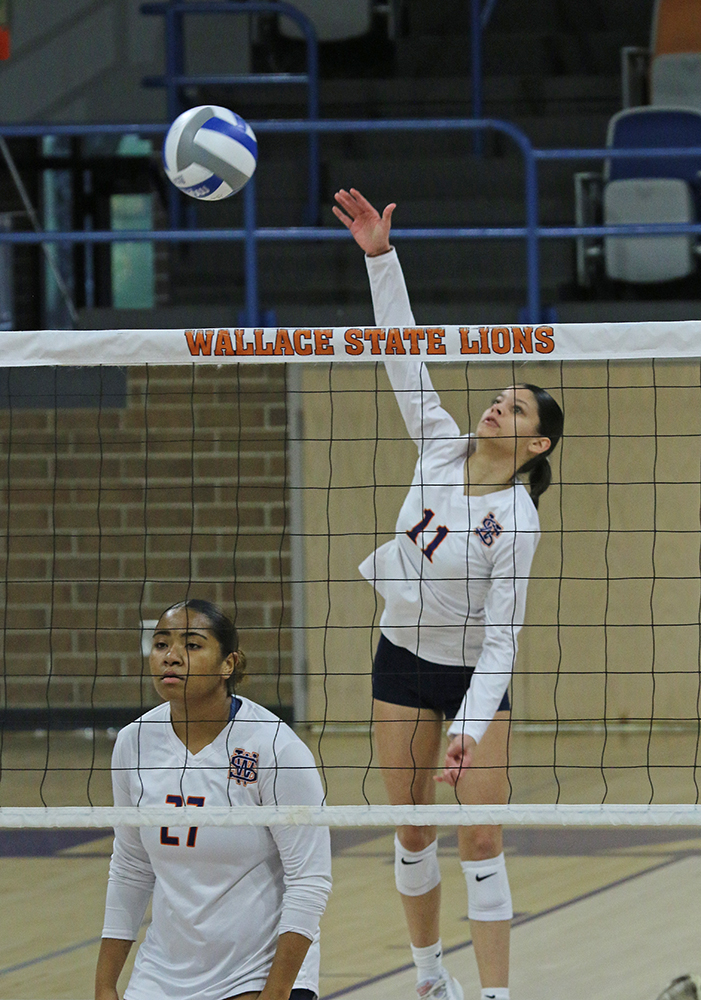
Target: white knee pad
<point>488,892</point>
<point>416,872</point>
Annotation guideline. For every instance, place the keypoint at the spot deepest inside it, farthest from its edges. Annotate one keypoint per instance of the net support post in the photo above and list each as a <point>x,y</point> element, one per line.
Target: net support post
<point>296,482</point>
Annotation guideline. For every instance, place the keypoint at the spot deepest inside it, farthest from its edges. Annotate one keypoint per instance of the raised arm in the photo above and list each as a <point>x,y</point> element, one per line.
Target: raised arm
<point>418,401</point>
<point>370,230</point>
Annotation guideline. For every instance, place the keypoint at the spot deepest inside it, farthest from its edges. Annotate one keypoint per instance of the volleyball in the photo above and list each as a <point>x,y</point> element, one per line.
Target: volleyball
<point>210,152</point>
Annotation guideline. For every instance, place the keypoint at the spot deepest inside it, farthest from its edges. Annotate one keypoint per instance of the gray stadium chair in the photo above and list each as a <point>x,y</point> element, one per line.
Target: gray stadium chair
<point>670,69</point>
<point>334,21</point>
<point>675,80</point>
<point>642,190</point>
<point>645,258</point>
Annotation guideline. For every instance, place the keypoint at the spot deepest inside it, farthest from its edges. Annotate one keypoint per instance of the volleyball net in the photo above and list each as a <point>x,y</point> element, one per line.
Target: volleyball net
<point>257,469</point>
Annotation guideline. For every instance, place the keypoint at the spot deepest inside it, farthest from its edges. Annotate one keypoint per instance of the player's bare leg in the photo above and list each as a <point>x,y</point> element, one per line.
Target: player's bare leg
<point>408,742</point>
<point>486,783</point>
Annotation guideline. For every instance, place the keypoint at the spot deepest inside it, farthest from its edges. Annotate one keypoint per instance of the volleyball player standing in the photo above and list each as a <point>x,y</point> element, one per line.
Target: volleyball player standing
<point>454,582</point>
<point>235,910</point>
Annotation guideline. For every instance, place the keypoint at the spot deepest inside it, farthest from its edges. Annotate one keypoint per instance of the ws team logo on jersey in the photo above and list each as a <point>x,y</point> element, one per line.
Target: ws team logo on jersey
<point>243,767</point>
<point>488,530</point>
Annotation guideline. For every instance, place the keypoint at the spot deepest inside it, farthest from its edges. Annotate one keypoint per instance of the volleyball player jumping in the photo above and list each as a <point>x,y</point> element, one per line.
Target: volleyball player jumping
<point>454,582</point>
<point>235,910</point>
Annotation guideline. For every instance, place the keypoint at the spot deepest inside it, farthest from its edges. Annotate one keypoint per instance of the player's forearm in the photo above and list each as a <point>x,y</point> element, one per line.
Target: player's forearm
<point>390,298</point>
<point>289,955</point>
<point>110,962</point>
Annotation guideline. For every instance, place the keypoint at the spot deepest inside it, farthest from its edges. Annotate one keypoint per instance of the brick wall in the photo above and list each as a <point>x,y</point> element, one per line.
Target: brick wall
<point>110,515</point>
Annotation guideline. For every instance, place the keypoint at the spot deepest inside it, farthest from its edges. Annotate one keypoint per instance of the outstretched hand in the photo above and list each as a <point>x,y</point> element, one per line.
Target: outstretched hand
<point>458,759</point>
<point>370,229</point>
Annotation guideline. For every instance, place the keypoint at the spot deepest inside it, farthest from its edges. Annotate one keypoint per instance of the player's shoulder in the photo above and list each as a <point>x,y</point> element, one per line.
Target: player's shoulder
<point>508,513</point>
<point>516,507</point>
<point>267,727</point>
<point>272,725</point>
<point>146,724</point>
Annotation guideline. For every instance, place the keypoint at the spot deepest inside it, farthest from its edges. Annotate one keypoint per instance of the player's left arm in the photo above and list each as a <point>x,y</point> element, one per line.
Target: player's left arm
<point>305,853</point>
<point>290,952</point>
<point>504,613</point>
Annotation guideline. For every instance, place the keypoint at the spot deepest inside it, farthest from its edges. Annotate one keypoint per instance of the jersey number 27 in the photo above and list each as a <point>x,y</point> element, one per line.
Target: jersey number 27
<point>177,800</point>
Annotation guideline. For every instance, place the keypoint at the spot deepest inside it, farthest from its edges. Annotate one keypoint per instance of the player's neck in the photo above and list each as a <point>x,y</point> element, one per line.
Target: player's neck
<point>487,472</point>
<point>198,723</point>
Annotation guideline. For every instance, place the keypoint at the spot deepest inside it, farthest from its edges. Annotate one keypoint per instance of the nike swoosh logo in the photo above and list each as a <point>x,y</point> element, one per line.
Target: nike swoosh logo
<point>481,878</point>
<point>412,862</point>
<point>490,996</point>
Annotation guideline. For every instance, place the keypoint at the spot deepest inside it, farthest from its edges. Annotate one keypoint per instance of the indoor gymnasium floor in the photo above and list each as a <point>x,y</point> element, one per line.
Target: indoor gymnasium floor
<point>601,912</point>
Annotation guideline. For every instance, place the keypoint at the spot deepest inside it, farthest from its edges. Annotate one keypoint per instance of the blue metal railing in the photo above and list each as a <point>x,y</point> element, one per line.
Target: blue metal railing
<point>175,77</point>
<point>531,232</point>
<point>479,19</point>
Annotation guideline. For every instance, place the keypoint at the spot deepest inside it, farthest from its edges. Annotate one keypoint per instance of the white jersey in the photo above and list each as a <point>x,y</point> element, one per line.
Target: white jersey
<point>455,575</point>
<point>221,897</point>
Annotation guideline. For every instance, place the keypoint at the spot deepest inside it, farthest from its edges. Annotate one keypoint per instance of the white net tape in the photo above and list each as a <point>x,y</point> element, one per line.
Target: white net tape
<point>102,817</point>
<point>559,342</point>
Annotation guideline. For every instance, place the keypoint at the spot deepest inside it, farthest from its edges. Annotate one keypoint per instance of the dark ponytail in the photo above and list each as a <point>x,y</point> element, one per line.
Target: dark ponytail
<point>551,422</point>
<point>223,630</point>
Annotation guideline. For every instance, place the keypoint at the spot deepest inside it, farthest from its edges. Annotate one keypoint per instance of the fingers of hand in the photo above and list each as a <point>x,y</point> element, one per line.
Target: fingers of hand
<point>449,777</point>
<point>355,205</point>
<point>351,204</point>
<point>361,201</point>
<point>342,217</point>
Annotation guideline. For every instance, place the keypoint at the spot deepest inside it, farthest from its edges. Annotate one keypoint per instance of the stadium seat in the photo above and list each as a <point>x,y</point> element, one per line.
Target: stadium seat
<point>643,190</point>
<point>672,64</point>
<point>334,22</point>
<point>648,258</point>
<point>675,73</point>
<point>650,127</point>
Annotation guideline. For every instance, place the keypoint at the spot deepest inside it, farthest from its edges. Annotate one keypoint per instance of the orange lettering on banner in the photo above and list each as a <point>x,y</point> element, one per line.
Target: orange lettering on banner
<point>394,343</point>
<point>199,341</point>
<point>222,344</point>
<point>501,340</point>
<point>354,341</point>
<point>283,344</point>
<point>545,340</point>
<point>484,334</point>
<point>435,335</point>
<point>374,335</point>
<point>523,341</point>
<point>242,350</point>
<point>467,346</point>
<point>414,334</point>
<point>321,342</point>
<point>261,348</point>
<point>301,348</point>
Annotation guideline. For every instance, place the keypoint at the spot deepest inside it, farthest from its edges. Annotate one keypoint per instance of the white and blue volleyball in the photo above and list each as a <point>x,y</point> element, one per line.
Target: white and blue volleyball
<point>210,152</point>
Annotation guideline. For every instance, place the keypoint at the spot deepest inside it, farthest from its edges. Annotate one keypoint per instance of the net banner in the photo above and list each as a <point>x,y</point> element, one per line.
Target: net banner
<point>559,342</point>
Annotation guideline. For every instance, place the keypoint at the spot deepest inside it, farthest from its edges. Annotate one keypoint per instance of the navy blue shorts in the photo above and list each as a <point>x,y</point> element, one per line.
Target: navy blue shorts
<point>403,678</point>
<point>297,994</point>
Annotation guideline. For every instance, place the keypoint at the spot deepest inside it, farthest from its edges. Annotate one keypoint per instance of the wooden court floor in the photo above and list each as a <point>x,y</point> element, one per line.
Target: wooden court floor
<point>600,912</point>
